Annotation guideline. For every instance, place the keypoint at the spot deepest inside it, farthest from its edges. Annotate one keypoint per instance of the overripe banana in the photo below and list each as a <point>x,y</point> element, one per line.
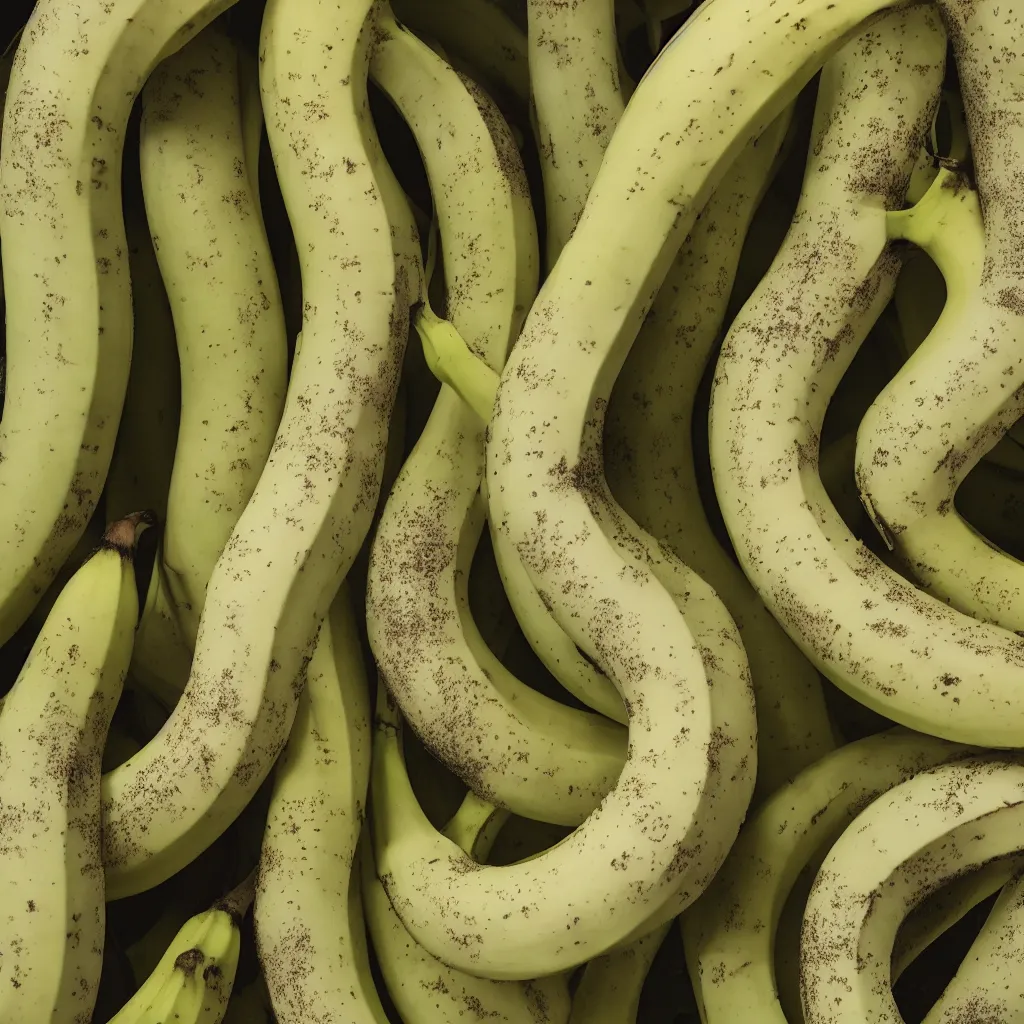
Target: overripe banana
<point>69,323</point>
<point>313,505</point>
<point>53,725</point>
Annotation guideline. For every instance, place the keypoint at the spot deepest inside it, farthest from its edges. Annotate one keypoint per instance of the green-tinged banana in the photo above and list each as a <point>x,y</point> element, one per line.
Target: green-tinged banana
<point>893,648</point>
<point>424,989</point>
<point>937,825</point>
<point>727,674</point>
<point>304,925</point>
<point>649,457</point>
<point>69,317</point>
<point>729,933</point>
<point>542,474</point>
<point>53,726</point>
<point>914,444</point>
<point>312,508</point>
<point>989,983</point>
<point>609,990</point>
<point>549,762</point>
<point>216,266</point>
<point>192,982</point>
<point>574,82</point>
<point>478,33</point>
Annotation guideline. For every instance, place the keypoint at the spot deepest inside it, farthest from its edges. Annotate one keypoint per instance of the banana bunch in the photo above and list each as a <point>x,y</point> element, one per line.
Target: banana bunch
<point>584,444</point>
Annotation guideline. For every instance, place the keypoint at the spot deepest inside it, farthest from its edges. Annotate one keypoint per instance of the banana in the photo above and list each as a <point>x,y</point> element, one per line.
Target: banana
<point>312,508</point>
<point>609,990</point>
<point>424,989</point>
<point>898,651</point>
<point>53,726</point>
<point>478,33</point>
<point>304,924</point>
<point>69,325</point>
<point>729,933</point>
<point>216,266</point>
<point>250,1004</point>
<point>908,443</point>
<point>988,981</point>
<point>649,460</point>
<point>574,82</point>
<point>192,981</point>
<point>939,824</point>
<point>553,763</point>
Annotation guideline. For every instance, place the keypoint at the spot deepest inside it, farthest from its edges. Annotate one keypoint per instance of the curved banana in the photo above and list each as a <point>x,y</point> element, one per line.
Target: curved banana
<point>216,266</point>
<point>938,825</point>
<point>305,926</point>
<point>69,320</point>
<point>478,33</point>
<point>729,933</point>
<point>192,982</point>
<point>53,725</point>
<point>552,762</point>
<point>574,83</point>
<point>896,650</point>
<point>908,461</point>
<point>313,505</point>
<point>424,989</point>
<point>988,982</point>
<point>649,460</point>
<point>609,990</point>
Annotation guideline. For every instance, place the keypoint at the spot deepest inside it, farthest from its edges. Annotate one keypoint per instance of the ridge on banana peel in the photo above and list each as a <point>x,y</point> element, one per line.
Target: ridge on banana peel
<point>649,455</point>
<point>409,970</point>
<point>895,649</point>
<point>53,726</point>
<point>192,982</point>
<point>729,933</point>
<point>307,919</point>
<point>69,321</point>
<point>903,447</point>
<point>194,152</point>
<point>941,823</point>
<point>552,762</point>
<point>315,499</point>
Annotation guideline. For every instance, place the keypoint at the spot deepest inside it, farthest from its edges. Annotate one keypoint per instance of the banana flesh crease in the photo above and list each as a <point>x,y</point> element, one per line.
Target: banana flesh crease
<point>585,446</point>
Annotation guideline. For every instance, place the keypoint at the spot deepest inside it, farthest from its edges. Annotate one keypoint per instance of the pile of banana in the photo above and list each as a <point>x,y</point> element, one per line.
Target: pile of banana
<point>512,510</point>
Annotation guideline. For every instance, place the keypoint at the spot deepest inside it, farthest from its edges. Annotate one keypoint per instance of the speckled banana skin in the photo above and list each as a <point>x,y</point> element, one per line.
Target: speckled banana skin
<point>609,990</point>
<point>649,460</point>
<point>312,508</point>
<point>885,643</point>
<point>216,266</point>
<point>192,981</point>
<point>508,743</point>
<point>427,991</point>
<point>303,920</point>
<point>729,933</point>
<point>542,476</point>
<point>989,983</point>
<point>908,466</point>
<point>574,81</point>
<point>932,828</point>
<point>76,73</point>
<point>53,726</point>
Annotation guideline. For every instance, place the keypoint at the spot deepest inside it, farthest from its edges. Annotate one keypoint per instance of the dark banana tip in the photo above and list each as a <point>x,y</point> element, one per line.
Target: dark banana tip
<point>237,902</point>
<point>123,534</point>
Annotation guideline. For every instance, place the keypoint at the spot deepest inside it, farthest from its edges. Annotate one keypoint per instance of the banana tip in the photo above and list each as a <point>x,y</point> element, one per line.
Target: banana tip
<point>123,534</point>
